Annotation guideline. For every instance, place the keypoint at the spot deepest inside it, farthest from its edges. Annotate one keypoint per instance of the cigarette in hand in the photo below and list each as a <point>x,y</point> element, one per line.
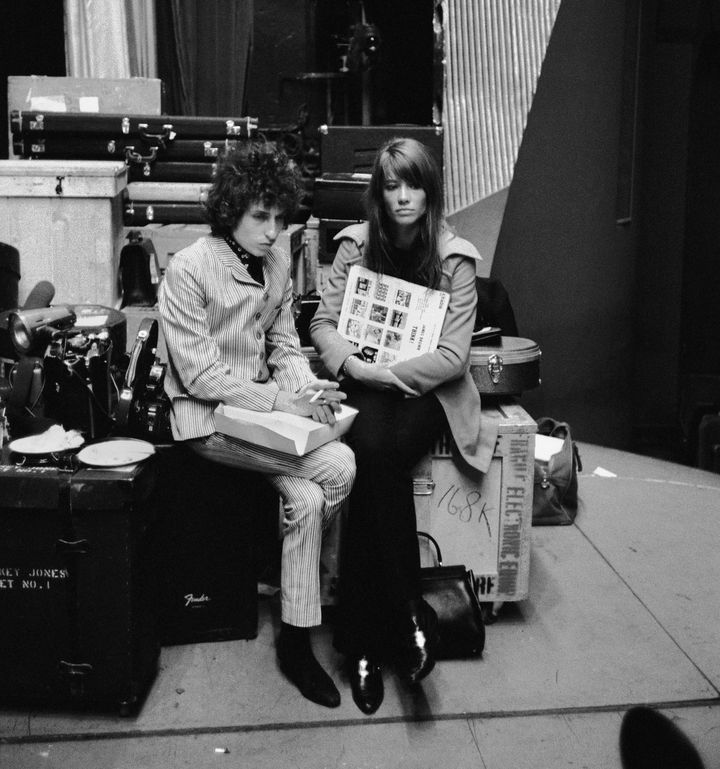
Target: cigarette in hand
<point>317,395</point>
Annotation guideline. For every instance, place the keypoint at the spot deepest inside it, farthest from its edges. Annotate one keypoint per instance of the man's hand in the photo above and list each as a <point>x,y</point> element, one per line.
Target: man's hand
<point>319,399</point>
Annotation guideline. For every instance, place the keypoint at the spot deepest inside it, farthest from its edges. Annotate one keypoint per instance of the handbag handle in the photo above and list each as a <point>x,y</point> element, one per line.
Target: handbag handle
<point>557,429</point>
<point>435,543</point>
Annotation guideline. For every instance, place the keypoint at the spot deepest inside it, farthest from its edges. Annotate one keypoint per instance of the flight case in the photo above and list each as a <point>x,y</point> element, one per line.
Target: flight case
<point>77,605</point>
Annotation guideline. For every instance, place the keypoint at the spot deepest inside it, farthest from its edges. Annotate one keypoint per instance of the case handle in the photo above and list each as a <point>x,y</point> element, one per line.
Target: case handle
<point>432,539</point>
<point>72,547</point>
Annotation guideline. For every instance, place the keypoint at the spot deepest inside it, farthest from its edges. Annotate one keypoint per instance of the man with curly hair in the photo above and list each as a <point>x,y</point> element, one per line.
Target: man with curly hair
<point>226,313</point>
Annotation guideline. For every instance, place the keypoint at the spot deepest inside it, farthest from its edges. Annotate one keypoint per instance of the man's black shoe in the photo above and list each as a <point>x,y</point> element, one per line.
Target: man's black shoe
<point>298,663</point>
<point>366,683</point>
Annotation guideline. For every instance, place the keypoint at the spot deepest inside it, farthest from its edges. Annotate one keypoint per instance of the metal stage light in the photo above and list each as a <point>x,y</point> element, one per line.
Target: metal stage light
<point>29,328</point>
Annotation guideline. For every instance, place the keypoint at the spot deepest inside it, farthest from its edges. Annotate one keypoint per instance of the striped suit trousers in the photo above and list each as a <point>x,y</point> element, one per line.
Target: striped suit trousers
<point>312,490</point>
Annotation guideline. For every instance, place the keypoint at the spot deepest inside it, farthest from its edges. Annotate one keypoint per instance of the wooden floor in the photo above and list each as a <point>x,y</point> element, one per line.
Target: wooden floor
<point>624,608</point>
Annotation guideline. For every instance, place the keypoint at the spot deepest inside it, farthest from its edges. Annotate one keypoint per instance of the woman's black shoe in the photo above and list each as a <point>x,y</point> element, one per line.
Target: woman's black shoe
<point>298,663</point>
<point>419,640</point>
<point>366,682</point>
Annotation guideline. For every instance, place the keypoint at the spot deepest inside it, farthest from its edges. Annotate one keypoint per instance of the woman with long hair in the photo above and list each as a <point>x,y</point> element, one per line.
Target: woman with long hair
<point>404,407</point>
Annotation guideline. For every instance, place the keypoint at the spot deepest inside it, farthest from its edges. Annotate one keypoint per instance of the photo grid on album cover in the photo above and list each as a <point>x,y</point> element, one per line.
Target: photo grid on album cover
<point>388,319</point>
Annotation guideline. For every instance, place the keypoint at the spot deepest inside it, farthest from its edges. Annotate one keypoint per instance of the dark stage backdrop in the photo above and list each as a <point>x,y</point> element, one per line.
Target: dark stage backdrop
<point>203,53</point>
<point>29,48</point>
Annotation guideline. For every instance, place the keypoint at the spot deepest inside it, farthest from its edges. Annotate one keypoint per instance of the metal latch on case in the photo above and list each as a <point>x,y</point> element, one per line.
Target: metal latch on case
<point>495,367</point>
<point>423,487</point>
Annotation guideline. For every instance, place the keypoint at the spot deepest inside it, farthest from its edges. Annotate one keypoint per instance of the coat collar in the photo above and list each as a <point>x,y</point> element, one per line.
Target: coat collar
<point>450,243</point>
<point>229,260</point>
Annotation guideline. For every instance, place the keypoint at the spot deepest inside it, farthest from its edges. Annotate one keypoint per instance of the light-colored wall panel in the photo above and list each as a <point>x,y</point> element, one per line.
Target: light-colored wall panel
<point>494,51</point>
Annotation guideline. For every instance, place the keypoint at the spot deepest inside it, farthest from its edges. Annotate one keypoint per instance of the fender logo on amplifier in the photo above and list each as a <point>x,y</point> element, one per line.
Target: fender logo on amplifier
<point>191,600</point>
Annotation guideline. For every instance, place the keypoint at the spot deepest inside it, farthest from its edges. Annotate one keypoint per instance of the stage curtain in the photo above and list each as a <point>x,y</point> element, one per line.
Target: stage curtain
<point>142,37</point>
<point>203,52</point>
<point>110,39</point>
<point>96,41</point>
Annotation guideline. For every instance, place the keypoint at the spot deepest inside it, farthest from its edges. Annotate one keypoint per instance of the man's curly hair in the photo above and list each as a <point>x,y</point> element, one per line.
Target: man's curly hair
<point>248,173</point>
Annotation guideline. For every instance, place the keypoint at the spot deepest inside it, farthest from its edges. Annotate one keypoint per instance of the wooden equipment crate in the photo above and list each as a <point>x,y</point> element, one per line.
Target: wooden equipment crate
<point>480,520</point>
<point>65,219</point>
<point>483,520</point>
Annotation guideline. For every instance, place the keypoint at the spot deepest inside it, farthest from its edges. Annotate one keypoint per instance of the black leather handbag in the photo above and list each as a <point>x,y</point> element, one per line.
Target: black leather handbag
<point>555,489</point>
<point>450,590</point>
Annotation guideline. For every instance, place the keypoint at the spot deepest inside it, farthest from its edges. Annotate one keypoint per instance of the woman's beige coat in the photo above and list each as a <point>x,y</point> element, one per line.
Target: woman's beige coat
<point>446,371</point>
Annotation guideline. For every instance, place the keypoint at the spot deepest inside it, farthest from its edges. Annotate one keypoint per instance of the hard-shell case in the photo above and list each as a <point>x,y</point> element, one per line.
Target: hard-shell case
<point>168,148</point>
<point>508,368</point>
<point>161,171</point>
<point>77,605</point>
<point>139,214</point>
<point>167,192</point>
<point>133,149</point>
<point>147,127</point>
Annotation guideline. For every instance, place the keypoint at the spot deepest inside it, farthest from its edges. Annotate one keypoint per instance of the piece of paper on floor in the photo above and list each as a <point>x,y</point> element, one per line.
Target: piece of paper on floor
<point>603,473</point>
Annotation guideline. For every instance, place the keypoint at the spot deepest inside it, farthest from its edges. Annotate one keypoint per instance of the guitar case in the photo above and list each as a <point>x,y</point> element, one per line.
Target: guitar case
<point>149,128</point>
<point>118,147</point>
<point>170,171</point>
<point>167,192</point>
<point>140,214</point>
<point>507,368</point>
<point>143,408</point>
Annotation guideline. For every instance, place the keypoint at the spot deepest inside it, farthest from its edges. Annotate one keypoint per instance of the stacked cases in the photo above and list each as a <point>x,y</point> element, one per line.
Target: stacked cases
<point>170,159</point>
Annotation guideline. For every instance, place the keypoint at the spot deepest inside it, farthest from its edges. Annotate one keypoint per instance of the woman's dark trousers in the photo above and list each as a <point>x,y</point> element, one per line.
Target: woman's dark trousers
<point>379,567</point>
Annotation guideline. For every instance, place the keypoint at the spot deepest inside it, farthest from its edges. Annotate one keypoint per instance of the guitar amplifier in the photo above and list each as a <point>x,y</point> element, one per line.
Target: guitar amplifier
<point>352,149</point>
<point>216,530</point>
<point>340,196</point>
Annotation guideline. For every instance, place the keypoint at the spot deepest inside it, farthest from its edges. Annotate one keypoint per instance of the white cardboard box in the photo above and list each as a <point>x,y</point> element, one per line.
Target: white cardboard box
<point>289,433</point>
<point>65,219</point>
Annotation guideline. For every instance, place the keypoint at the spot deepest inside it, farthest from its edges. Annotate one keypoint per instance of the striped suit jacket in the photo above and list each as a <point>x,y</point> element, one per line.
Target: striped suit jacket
<point>229,339</point>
